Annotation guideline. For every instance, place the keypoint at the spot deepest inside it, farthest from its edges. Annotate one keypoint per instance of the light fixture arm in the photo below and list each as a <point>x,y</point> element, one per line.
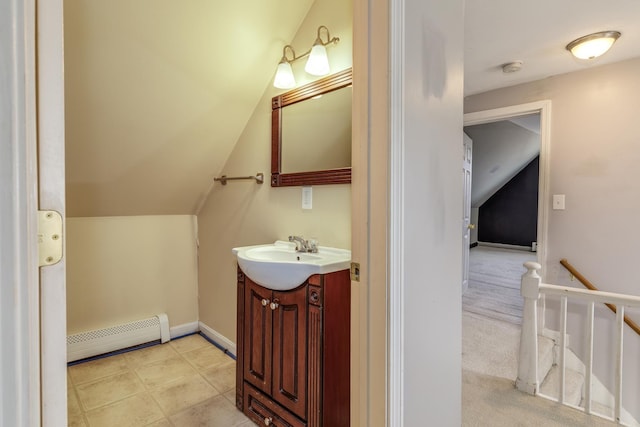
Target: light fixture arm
<point>330,40</point>
<point>318,41</point>
<point>284,54</point>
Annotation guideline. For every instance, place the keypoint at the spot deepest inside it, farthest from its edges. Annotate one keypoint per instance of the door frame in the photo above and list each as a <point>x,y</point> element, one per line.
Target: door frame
<point>19,301</point>
<point>504,113</point>
<point>467,145</point>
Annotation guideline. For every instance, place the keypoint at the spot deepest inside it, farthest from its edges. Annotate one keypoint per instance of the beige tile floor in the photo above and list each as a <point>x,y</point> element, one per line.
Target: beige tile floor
<point>186,382</point>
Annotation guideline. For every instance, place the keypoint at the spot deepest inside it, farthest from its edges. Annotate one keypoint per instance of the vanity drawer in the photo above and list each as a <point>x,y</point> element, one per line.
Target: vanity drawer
<point>265,411</point>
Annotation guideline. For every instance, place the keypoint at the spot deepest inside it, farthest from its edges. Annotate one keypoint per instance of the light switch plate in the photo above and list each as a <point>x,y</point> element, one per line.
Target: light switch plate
<point>558,202</point>
<point>307,197</point>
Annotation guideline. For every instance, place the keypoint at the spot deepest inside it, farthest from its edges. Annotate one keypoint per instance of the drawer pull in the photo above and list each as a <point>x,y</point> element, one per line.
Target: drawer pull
<point>268,421</point>
<point>274,305</point>
<point>265,302</point>
<point>315,297</point>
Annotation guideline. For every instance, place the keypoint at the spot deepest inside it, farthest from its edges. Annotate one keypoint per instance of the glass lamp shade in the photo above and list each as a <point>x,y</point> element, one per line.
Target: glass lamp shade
<point>593,45</point>
<point>318,63</point>
<point>284,76</point>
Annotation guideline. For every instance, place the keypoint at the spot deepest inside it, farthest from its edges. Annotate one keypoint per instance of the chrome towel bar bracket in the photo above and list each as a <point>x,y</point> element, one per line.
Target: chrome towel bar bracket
<point>223,179</point>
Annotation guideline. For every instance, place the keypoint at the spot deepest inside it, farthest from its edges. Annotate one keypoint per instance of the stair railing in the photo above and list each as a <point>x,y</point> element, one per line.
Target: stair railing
<point>532,288</point>
<point>587,284</point>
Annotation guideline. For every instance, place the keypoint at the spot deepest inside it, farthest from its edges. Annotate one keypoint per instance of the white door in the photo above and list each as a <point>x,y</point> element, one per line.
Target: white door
<point>466,209</point>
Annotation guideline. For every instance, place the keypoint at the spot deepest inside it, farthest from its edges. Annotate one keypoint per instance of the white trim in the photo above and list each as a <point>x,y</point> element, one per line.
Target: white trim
<point>503,113</point>
<point>19,294</point>
<point>218,338</point>
<point>50,103</point>
<point>184,329</point>
<point>396,282</point>
<point>33,279</point>
<point>544,108</point>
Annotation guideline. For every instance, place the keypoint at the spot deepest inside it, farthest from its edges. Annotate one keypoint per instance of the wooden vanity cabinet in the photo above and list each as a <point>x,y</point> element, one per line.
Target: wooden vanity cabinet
<point>293,351</point>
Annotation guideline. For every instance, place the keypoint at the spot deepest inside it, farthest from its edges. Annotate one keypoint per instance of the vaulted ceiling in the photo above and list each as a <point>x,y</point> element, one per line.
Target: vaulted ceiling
<point>157,94</point>
<point>158,91</point>
<point>501,150</point>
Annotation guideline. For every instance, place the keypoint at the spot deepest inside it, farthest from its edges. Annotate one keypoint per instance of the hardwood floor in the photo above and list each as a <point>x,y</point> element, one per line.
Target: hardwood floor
<point>494,283</point>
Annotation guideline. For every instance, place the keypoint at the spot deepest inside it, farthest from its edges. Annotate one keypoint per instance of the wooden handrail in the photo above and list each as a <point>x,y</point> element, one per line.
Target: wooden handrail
<point>587,284</point>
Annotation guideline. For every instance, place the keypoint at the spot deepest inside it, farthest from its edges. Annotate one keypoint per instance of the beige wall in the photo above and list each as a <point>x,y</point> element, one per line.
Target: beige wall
<point>594,151</point>
<point>244,213</point>
<point>121,269</point>
<point>171,84</point>
<point>593,160</point>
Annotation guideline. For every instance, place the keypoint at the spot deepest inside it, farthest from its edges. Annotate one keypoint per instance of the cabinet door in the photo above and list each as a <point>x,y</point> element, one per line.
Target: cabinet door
<point>290,350</point>
<point>257,336</point>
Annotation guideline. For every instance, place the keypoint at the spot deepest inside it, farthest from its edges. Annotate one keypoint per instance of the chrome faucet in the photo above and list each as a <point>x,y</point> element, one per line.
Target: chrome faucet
<point>303,245</point>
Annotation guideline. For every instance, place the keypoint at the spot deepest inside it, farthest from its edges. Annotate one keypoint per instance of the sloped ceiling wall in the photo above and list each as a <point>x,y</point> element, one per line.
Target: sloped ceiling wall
<point>501,150</point>
<point>157,94</point>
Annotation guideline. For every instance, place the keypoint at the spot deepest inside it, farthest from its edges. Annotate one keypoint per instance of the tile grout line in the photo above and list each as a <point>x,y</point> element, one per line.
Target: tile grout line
<point>133,366</point>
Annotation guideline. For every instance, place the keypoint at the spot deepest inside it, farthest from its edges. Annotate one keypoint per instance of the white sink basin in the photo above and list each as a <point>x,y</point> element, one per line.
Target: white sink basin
<point>279,267</point>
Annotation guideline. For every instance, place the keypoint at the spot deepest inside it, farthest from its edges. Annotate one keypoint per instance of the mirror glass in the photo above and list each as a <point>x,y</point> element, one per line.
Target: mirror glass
<point>311,133</point>
<point>316,134</point>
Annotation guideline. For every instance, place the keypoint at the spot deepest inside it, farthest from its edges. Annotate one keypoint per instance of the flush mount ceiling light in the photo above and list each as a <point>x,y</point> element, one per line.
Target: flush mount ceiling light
<point>317,64</point>
<point>593,45</point>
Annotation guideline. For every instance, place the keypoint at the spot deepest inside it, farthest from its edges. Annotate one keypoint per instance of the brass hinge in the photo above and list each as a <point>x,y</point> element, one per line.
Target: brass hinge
<point>355,271</point>
<point>49,238</point>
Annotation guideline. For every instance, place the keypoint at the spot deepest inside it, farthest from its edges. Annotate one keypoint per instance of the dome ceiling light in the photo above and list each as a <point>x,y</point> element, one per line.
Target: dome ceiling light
<point>593,45</point>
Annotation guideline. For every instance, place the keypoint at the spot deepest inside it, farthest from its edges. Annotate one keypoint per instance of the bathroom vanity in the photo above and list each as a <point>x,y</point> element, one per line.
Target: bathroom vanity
<point>293,351</point>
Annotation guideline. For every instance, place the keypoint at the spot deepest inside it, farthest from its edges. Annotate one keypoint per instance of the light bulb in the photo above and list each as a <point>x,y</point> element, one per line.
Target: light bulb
<point>318,63</point>
<point>284,76</point>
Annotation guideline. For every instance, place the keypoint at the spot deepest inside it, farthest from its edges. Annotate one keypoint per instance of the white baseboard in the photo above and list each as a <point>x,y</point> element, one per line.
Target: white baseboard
<point>184,329</point>
<point>218,338</point>
<point>506,246</point>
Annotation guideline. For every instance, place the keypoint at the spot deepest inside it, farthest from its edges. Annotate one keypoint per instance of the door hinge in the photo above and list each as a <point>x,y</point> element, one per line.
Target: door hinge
<point>355,271</point>
<point>49,238</point>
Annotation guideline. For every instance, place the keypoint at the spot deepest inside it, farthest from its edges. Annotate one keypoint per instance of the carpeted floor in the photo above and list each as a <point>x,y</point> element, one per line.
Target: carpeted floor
<point>491,401</point>
<point>491,318</point>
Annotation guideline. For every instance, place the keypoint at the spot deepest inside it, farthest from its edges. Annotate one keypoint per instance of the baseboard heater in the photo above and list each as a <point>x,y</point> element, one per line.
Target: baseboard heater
<point>101,341</point>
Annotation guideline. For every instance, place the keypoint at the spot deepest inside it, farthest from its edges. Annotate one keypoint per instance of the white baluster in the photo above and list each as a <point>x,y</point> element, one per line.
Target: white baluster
<point>589,362</point>
<point>619,347</point>
<point>563,348</point>
<point>528,362</point>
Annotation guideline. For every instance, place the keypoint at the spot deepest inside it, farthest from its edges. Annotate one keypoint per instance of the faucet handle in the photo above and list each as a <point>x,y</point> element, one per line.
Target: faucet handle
<point>313,245</point>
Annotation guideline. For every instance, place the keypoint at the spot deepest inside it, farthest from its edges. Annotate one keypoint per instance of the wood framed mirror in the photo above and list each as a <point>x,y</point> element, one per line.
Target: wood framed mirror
<point>311,133</point>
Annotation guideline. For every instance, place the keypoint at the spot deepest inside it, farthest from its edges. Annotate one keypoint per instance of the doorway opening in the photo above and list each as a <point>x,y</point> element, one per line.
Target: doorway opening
<point>506,206</point>
<point>492,304</point>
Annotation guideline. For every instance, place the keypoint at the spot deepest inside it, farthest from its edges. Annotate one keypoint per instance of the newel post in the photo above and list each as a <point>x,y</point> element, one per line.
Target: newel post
<point>528,361</point>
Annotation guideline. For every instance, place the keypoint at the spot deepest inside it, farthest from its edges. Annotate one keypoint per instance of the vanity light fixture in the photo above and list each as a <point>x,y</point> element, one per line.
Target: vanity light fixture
<point>593,45</point>
<point>317,64</point>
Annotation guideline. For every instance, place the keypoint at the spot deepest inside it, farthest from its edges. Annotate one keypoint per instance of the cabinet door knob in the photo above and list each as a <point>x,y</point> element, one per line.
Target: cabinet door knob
<point>268,421</point>
<point>274,305</point>
<point>265,302</point>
